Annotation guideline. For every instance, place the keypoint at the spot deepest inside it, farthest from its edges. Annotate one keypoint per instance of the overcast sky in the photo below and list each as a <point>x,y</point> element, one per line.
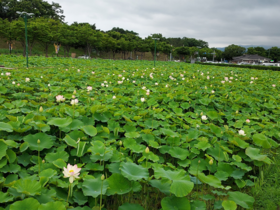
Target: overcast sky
<point>218,22</point>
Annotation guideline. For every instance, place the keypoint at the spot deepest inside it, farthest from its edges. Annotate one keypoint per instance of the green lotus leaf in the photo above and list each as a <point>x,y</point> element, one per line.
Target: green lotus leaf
<point>241,199</point>
<point>130,206</point>
<point>179,153</point>
<point>133,171</point>
<point>225,167</point>
<point>3,149</point>
<point>181,188</point>
<point>76,124</point>
<point>24,146</point>
<point>171,175</point>
<point>213,115</point>
<point>254,154</point>
<point>50,157</point>
<point>11,155</point>
<point>59,163</point>
<point>6,127</point>
<point>132,135</point>
<point>193,134</point>
<point>164,187</point>
<point>114,168</point>
<point>46,142</point>
<point>174,203</point>
<point>148,137</point>
<point>203,145</point>
<point>211,180</point>
<point>207,197</point>
<point>240,183</point>
<point>198,205</point>
<point>81,148</point>
<point>133,146</point>
<point>3,90</point>
<point>24,159</point>
<point>129,128</point>
<point>3,162</point>
<point>28,187</point>
<point>261,140</point>
<point>92,187</point>
<point>60,122</point>
<point>239,142</point>
<point>169,132</point>
<point>52,205</point>
<point>5,197</point>
<point>118,185</point>
<point>69,141</point>
<point>216,130</point>
<point>11,168</point>
<point>229,205</point>
<point>151,123</point>
<point>89,130</point>
<point>49,173</point>
<point>26,204</point>
<point>80,198</point>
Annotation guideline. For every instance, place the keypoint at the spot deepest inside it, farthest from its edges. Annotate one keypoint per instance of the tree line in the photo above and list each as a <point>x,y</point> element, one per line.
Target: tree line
<point>47,27</point>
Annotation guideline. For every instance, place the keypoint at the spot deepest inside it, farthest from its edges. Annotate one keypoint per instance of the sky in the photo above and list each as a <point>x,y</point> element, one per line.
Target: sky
<point>218,22</point>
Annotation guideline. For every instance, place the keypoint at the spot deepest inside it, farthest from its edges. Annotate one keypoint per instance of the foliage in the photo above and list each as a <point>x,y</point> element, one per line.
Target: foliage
<point>161,149</point>
<point>233,51</point>
<point>39,8</point>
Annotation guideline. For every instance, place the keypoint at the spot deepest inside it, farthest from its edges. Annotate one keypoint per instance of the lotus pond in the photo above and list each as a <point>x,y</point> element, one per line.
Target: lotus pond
<point>104,134</point>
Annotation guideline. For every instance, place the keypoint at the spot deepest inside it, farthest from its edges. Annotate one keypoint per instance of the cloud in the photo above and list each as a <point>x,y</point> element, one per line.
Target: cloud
<point>220,23</point>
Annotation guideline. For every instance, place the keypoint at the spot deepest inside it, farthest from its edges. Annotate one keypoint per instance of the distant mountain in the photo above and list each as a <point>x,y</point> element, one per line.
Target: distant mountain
<point>247,46</point>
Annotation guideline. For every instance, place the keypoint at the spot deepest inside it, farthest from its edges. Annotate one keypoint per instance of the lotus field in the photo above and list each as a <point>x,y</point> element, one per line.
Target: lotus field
<point>123,135</point>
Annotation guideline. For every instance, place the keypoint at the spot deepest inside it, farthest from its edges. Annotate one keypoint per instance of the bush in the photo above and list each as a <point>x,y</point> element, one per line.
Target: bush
<point>272,68</point>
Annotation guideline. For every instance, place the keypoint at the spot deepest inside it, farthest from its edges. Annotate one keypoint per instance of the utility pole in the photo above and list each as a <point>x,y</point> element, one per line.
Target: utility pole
<point>25,16</point>
<point>155,50</point>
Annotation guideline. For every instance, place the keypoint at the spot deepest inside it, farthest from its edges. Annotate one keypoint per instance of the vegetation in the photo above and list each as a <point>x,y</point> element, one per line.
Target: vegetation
<point>180,135</point>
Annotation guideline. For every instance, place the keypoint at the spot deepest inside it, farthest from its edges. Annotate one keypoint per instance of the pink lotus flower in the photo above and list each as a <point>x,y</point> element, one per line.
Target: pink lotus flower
<point>223,82</point>
<point>60,98</point>
<point>72,172</point>
<point>247,121</point>
<point>273,85</point>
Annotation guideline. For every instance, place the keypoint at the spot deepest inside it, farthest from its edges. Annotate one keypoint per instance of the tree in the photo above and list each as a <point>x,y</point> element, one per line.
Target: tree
<point>182,52</point>
<point>256,51</point>
<point>233,51</point>
<point>274,53</point>
<point>39,8</point>
<point>6,31</point>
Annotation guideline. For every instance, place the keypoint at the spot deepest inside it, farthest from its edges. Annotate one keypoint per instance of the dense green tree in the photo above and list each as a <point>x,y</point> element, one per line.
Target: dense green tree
<point>256,51</point>
<point>39,8</point>
<point>233,51</point>
<point>274,54</point>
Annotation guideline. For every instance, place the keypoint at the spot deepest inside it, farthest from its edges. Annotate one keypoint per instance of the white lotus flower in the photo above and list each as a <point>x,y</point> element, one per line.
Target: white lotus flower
<point>242,133</point>
<point>203,117</point>
<point>89,88</point>
<point>74,102</point>
<point>72,172</point>
<point>142,99</point>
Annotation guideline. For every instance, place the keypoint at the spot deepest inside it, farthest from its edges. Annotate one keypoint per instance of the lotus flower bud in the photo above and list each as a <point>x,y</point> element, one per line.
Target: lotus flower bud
<point>38,141</point>
<point>102,177</point>
<point>147,150</point>
<point>74,92</point>
<point>41,109</point>
<point>43,161</point>
<point>199,161</point>
<point>211,162</point>
<point>120,143</point>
